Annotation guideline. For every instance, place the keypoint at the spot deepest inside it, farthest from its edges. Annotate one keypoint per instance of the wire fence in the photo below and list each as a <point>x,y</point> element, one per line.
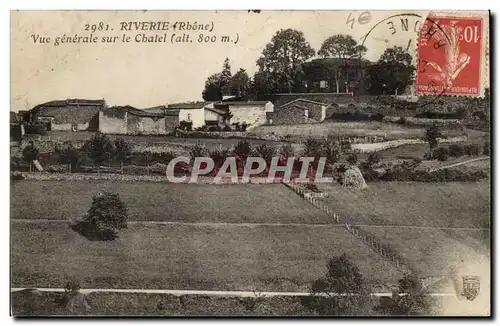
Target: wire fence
<point>383,250</point>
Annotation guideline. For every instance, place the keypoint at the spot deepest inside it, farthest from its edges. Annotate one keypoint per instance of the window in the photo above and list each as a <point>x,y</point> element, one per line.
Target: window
<point>323,84</point>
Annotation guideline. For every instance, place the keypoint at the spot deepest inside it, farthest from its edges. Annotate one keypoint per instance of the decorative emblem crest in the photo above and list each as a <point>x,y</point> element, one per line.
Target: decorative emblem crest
<point>470,287</point>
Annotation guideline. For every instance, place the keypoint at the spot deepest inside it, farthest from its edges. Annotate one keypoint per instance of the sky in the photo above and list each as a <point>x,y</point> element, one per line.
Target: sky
<point>150,74</point>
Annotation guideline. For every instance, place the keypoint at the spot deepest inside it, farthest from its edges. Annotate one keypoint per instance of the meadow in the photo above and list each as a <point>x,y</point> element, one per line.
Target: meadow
<point>198,257</point>
<point>154,201</point>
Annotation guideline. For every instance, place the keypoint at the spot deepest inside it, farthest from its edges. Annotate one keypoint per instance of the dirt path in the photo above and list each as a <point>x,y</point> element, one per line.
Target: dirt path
<point>257,224</point>
<point>460,163</point>
<point>212,293</point>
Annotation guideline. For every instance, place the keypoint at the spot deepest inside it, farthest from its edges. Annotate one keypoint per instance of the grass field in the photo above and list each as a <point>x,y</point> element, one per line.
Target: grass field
<point>217,257</point>
<point>450,204</point>
<point>387,209</point>
<point>349,129</point>
<point>139,304</point>
<point>434,252</point>
<point>150,201</point>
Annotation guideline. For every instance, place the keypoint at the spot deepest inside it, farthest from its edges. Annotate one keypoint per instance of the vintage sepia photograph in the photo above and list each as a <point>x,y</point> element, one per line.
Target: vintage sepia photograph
<point>250,163</point>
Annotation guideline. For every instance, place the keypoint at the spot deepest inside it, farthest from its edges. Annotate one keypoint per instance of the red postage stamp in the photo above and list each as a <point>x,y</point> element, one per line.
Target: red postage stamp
<point>450,56</point>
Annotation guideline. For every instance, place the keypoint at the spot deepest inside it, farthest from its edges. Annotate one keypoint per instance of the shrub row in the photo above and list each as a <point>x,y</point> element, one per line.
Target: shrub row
<point>442,153</point>
<point>356,116</point>
<point>445,175</point>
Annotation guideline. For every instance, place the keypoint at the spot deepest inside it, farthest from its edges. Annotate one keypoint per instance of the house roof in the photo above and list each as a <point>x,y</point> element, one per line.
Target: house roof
<point>187,106</point>
<point>243,103</point>
<point>137,112</point>
<point>70,110</point>
<point>304,100</point>
<point>75,101</point>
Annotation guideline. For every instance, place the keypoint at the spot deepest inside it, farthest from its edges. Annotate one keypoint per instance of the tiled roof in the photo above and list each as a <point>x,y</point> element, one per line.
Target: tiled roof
<point>187,106</point>
<point>136,112</point>
<point>244,103</point>
<point>82,102</point>
<point>303,100</point>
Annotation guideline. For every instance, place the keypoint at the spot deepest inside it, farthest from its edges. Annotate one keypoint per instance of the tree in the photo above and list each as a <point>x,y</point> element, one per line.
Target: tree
<point>220,84</point>
<point>432,135</point>
<point>392,73</point>
<point>107,214</point>
<point>241,84</point>
<point>266,152</point>
<point>30,153</point>
<point>345,49</point>
<point>99,148</point>
<point>343,291</point>
<point>123,151</point>
<point>243,149</point>
<point>225,78</point>
<point>410,298</point>
<point>71,156</point>
<point>212,91</point>
<point>281,61</point>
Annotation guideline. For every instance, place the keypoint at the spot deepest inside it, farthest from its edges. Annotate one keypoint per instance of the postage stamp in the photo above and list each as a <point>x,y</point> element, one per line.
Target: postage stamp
<point>451,54</point>
<point>250,163</point>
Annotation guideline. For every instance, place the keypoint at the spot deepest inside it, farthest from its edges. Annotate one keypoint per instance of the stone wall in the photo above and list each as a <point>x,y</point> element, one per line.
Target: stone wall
<point>112,124</point>
<point>253,115</point>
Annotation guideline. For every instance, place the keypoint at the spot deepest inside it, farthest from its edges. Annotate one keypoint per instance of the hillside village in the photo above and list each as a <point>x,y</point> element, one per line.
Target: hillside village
<point>97,227</point>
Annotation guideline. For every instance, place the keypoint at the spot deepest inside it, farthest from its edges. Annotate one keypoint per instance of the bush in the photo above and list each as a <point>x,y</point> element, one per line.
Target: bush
<point>243,149</point>
<point>99,148</point>
<point>197,151</point>
<point>472,150</point>
<point>486,148</point>
<point>377,117</point>
<point>432,135</point>
<point>214,128</point>
<point>71,156</point>
<point>35,129</point>
<point>405,172</point>
<point>352,158</point>
<point>30,153</point>
<point>219,156</point>
<point>401,121</point>
<point>287,151</point>
<point>456,150</point>
<point>186,125</point>
<point>441,154</point>
<point>373,159</point>
<point>266,152</point>
<point>244,126</point>
<point>107,215</point>
<point>147,158</point>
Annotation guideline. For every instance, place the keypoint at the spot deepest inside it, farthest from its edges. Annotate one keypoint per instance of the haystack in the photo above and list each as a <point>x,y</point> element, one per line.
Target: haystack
<point>353,178</point>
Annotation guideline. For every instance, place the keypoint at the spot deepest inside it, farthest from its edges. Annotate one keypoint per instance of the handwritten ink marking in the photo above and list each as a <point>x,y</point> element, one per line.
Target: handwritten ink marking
<point>350,20</point>
<point>391,27</point>
<point>364,18</point>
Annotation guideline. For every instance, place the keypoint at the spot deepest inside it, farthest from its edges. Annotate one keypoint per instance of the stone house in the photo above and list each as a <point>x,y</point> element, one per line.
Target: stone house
<point>127,120</point>
<point>199,113</point>
<point>191,112</point>
<point>299,111</point>
<point>68,115</point>
<point>253,113</point>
